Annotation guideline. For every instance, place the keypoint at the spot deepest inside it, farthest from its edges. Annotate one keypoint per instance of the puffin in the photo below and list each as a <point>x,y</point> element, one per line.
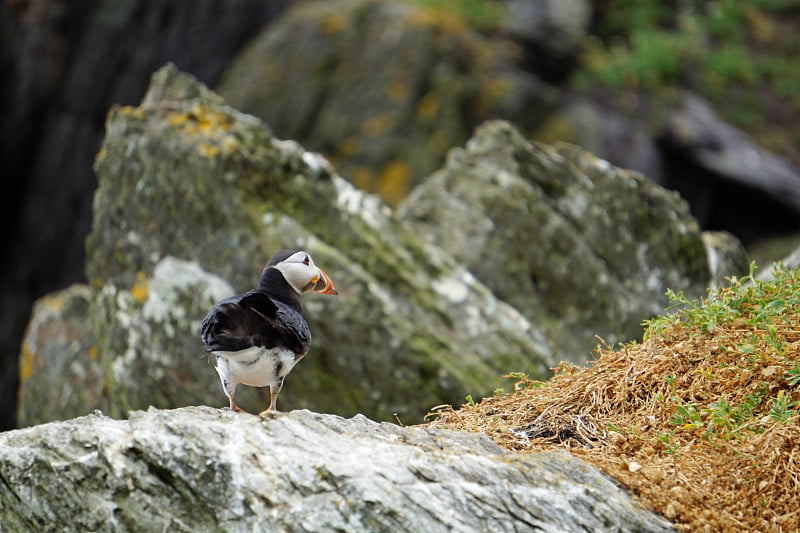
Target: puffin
<point>257,337</point>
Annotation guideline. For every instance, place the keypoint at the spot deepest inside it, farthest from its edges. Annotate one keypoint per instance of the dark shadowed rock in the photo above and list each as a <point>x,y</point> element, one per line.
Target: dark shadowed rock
<point>580,247</point>
<point>203,469</point>
<point>194,197</point>
<point>729,152</point>
<point>729,180</point>
<point>553,32</point>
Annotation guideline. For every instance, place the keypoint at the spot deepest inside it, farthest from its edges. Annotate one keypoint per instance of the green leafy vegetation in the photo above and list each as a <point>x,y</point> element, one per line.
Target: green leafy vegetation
<point>742,55</point>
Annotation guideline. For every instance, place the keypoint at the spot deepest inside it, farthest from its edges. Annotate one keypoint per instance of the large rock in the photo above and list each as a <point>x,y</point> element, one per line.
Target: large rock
<point>580,247</point>
<point>193,197</point>
<point>204,469</point>
<point>383,89</point>
<point>728,178</point>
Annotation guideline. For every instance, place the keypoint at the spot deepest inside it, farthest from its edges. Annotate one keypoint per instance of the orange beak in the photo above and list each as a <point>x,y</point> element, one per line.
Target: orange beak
<point>324,285</point>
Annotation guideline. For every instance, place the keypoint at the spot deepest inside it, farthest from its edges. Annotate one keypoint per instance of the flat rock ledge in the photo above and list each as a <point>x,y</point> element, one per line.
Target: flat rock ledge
<point>206,469</point>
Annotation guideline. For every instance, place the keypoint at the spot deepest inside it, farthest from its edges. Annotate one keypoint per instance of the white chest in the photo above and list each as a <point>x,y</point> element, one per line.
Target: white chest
<point>255,366</point>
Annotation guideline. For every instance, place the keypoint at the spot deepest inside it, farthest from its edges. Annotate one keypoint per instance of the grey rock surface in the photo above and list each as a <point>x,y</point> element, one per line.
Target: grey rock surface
<point>580,247</point>
<point>204,469</point>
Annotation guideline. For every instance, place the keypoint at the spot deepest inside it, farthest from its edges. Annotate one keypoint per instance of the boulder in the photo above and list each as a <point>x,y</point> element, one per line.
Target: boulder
<point>204,469</point>
<point>383,89</point>
<point>581,248</point>
<point>730,181</point>
<point>194,196</point>
<point>552,31</point>
<point>693,126</point>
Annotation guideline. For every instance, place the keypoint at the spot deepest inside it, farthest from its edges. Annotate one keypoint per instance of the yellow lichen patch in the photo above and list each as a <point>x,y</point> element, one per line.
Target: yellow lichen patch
<point>333,23</point>
<point>54,301</point>
<point>101,154</point>
<point>92,353</point>
<point>200,120</point>
<point>131,111</point>
<point>26,363</point>
<point>428,107</point>
<point>210,122</point>
<point>140,288</point>
<point>207,150</point>
<point>178,120</point>
<point>448,22</point>
<point>394,181</point>
<point>379,125</point>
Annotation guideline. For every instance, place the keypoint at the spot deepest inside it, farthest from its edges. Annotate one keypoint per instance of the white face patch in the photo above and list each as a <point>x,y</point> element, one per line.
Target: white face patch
<point>299,271</point>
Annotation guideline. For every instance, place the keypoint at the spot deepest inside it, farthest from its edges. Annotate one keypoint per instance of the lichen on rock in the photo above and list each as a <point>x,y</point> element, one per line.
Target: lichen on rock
<point>580,247</point>
<point>170,223</point>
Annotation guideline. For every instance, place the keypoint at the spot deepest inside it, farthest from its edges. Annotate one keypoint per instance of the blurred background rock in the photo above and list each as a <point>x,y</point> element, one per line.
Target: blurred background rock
<point>701,97</point>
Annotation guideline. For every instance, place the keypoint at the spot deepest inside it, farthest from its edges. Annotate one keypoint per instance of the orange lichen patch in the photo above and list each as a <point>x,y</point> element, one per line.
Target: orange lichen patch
<point>394,181</point>
<point>379,125</point>
<point>26,362</point>
<point>428,107</point>
<point>92,353</point>
<point>700,420</point>
<point>446,22</point>
<point>140,288</point>
<point>333,23</point>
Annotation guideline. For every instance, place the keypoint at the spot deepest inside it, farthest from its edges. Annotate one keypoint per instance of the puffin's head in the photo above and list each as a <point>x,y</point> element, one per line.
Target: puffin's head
<point>301,273</point>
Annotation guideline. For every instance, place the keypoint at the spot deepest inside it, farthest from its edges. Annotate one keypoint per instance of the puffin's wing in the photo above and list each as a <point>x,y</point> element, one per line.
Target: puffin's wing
<point>241,322</point>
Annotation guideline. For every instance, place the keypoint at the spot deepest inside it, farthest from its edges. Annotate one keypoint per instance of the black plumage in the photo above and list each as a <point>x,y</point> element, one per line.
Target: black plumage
<point>257,337</point>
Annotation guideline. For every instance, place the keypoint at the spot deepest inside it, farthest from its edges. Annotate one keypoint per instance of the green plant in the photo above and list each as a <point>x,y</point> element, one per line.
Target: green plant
<point>793,374</point>
<point>782,407</point>
<point>740,55</point>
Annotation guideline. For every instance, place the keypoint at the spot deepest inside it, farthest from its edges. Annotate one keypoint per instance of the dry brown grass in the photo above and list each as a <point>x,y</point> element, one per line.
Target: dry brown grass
<point>698,420</point>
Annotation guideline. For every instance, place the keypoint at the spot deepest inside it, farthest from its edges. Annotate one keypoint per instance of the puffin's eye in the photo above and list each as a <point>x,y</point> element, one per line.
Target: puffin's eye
<point>306,260</point>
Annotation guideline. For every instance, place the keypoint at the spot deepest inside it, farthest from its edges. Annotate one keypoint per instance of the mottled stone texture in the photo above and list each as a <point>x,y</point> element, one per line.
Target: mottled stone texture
<point>192,193</point>
<point>204,469</point>
<point>580,247</point>
<point>383,89</point>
